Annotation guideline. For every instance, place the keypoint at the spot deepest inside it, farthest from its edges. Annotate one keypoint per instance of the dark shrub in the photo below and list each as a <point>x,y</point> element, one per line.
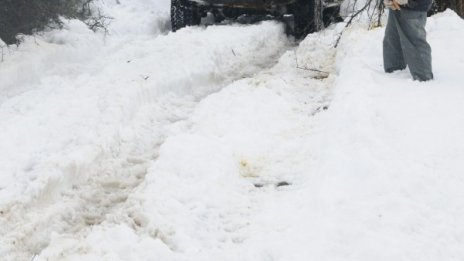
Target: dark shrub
<point>30,16</point>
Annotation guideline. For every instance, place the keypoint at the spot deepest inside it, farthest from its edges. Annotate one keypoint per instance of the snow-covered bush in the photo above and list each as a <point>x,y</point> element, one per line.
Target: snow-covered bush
<point>30,16</point>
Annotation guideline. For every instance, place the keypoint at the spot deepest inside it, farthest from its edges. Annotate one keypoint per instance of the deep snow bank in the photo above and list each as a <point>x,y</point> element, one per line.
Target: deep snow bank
<point>373,175</point>
<point>63,96</point>
<point>203,197</point>
<point>376,176</point>
<point>71,102</point>
<point>393,151</point>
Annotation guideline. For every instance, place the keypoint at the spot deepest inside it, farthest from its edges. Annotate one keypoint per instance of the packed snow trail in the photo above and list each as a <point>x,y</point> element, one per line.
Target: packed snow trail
<point>209,199</point>
<point>369,179</point>
<point>78,132</point>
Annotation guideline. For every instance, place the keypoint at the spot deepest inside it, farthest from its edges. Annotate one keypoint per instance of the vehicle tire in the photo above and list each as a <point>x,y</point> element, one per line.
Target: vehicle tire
<point>308,17</point>
<point>184,13</point>
<point>331,15</point>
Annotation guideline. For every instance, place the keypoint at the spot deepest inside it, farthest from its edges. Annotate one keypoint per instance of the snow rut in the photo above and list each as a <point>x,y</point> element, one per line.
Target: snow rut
<point>215,187</point>
<point>213,192</point>
<point>132,114</point>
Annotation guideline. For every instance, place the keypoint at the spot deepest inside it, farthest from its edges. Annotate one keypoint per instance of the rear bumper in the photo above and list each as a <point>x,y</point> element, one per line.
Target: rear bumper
<point>260,4</point>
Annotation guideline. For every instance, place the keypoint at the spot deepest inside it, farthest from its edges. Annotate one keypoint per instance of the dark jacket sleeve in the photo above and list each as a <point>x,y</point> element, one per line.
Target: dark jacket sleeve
<point>419,5</point>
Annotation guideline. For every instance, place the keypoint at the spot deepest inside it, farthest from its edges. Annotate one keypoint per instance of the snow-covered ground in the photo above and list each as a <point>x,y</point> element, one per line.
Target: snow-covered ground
<point>210,144</point>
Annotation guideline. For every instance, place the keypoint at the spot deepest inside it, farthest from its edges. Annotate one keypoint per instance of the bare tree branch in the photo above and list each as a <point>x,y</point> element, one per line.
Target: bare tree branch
<point>322,75</point>
<point>374,10</point>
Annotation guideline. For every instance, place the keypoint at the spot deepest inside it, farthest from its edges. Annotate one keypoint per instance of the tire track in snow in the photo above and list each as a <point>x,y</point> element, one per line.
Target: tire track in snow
<point>121,164</point>
<point>228,125</point>
<point>199,197</point>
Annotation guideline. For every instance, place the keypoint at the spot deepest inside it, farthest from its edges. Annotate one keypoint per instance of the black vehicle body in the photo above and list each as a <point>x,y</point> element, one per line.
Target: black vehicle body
<point>252,4</point>
<point>307,16</point>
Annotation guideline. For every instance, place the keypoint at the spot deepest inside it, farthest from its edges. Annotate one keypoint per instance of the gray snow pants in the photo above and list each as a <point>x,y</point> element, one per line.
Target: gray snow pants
<point>405,44</point>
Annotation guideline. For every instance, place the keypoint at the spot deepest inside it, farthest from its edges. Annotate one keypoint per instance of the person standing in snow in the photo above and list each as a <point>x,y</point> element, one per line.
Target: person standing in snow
<point>405,38</point>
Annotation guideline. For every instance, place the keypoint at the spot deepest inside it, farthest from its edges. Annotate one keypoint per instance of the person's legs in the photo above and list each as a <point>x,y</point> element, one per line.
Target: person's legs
<point>416,51</point>
<point>392,53</point>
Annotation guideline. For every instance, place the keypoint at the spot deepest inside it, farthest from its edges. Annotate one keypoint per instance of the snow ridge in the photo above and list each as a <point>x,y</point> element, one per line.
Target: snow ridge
<point>226,143</point>
<point>95,156</point>
<point>204,196</point>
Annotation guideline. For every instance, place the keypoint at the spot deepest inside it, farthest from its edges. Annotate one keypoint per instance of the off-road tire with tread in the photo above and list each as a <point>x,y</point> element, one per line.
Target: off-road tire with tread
<point>308,17</point>
<point>184,13</point>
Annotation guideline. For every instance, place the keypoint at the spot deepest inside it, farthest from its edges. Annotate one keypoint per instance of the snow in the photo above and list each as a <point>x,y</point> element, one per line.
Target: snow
<point>82,115</point>
<point>133,18</point>
<point>228,143</point>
